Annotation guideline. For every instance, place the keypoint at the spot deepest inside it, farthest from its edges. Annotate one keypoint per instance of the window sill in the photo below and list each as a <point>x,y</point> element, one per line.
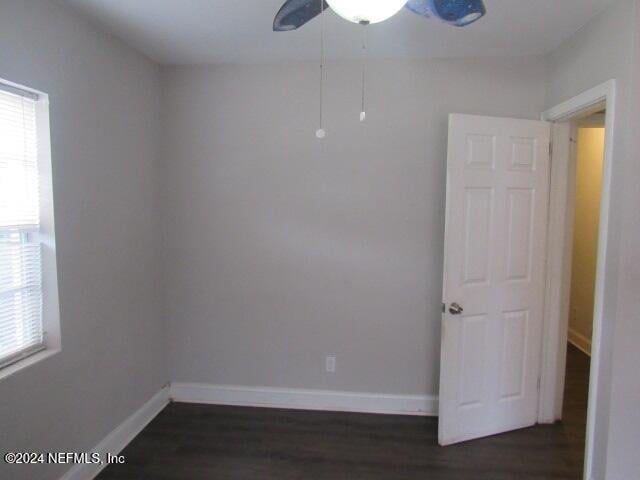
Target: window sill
<point>27,362</point>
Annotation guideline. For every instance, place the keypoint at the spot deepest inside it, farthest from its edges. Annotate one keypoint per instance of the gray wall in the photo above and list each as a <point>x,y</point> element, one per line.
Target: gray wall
<point>602,50</point>
<point>278,249</point>
<point>281,249</point>
<point>104,110</point>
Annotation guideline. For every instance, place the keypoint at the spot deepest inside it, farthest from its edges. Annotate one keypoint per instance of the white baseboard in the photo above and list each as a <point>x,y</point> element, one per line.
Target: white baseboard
<point>580,341</point>
<point>119,438</point>
<point>300,399</point>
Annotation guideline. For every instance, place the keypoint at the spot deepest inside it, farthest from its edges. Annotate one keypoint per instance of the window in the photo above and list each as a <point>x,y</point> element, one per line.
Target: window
<point>21,293</point>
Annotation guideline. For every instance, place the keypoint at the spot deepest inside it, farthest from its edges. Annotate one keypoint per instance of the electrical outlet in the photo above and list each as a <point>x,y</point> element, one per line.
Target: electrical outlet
<point>330,364</point>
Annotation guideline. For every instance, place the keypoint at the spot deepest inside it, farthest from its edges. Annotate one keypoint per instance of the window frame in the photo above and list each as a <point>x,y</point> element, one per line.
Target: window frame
<point>45,236</point>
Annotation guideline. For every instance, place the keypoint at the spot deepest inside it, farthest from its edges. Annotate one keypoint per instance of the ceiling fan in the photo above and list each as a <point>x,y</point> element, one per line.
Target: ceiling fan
<point>296,13</point>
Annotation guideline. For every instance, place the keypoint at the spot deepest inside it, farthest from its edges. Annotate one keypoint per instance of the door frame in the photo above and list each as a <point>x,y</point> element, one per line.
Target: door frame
<point>558,272</point>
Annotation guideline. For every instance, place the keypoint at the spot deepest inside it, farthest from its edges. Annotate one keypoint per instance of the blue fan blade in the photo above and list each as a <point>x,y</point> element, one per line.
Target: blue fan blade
<point>295,13</point>
<point>421,7</point>
<point>459,13</point>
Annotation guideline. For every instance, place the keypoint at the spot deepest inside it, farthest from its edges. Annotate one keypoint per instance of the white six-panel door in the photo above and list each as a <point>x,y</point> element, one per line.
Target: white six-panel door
<point>495,246</point>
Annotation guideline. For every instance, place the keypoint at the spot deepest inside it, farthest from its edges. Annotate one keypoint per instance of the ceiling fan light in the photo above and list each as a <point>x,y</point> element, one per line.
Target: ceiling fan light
<point>366,11</point>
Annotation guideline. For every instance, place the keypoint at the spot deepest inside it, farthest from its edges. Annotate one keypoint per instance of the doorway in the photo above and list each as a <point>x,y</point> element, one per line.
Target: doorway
<point>509,232</point>
<point>560,397</point>
<point>587,153</point>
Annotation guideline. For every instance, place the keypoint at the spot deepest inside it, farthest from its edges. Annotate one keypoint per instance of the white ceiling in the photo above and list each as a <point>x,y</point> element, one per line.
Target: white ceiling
<point>239,31</point>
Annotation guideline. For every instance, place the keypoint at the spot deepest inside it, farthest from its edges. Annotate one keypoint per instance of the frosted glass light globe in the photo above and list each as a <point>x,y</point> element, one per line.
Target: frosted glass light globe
<point>368,11</point>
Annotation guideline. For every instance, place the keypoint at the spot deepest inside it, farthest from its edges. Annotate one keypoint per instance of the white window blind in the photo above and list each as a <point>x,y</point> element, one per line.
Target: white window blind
<point>21,331</point>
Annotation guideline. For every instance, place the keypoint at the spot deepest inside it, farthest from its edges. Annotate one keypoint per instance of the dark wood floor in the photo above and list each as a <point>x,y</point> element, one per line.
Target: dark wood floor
<point>192,442</point>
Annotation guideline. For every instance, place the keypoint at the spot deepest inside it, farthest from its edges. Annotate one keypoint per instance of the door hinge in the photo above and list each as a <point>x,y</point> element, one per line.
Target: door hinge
<point>539,383</point>
<point>550,149</point>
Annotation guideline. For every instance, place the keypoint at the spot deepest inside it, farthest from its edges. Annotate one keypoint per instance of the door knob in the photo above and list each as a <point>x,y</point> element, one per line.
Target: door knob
<point>455,309</point>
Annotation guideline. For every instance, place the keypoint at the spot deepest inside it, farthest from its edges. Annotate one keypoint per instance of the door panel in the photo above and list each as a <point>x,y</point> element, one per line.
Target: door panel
<point>473,356</point>
<point>515,326</point>
<point>495,246</point>
<point>477,235</point>
<point>520,216</point>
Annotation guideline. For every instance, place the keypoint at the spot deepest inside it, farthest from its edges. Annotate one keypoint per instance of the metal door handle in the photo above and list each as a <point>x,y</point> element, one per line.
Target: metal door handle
<point>455,309</point>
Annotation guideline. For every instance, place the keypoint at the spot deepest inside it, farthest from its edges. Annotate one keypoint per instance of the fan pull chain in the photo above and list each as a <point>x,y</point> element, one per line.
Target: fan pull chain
<point>363,110</point>
<point>321,133</point>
